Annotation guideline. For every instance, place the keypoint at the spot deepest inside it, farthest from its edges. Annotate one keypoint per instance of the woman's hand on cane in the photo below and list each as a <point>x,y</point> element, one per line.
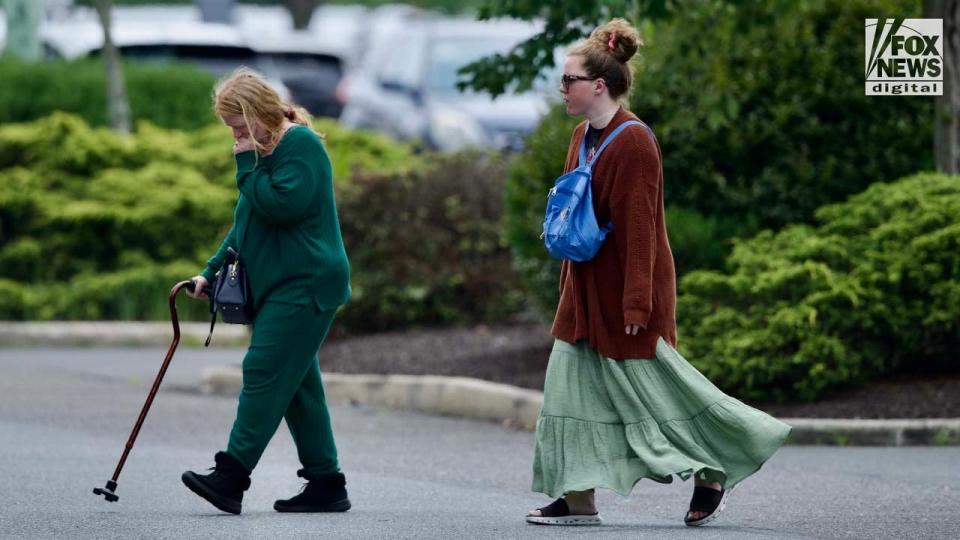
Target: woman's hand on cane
<point>200,283</point>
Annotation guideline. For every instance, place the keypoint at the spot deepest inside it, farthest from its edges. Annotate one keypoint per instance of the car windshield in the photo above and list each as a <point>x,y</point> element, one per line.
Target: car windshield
<point>286,64</point>
<point>449,55</point>
<point>215,58</point>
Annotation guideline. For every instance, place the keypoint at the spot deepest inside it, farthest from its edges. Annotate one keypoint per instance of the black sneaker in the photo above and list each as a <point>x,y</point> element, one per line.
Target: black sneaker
<point>321,493</point>
<point>223,487</point>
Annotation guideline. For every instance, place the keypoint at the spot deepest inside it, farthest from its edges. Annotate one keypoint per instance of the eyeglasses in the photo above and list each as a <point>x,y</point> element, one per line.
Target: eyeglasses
<point>567,80</point>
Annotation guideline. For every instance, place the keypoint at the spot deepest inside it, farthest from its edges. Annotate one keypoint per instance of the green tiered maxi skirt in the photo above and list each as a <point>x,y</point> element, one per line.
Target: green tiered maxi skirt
<point>607,423</point>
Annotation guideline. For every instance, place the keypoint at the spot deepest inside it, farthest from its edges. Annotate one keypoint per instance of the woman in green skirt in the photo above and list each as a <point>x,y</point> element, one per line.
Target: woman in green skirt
<point>620,403</point>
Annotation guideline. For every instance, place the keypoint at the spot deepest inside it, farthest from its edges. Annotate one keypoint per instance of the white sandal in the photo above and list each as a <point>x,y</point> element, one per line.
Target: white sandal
<point>558,513</point>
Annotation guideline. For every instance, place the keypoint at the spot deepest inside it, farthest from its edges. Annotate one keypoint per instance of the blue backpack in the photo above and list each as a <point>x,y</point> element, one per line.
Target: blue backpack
<point>570,228</point>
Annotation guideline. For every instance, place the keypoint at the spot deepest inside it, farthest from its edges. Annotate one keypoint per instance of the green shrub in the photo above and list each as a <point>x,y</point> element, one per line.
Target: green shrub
<point>96,225</point>
<point>871,288</point>
<point>761,111</point>
<point>90,197</point>
<point>169,95</point>
<point>425,246</point>
<point>698,241</point>
<point>359,152</point>
<point>529,177</point>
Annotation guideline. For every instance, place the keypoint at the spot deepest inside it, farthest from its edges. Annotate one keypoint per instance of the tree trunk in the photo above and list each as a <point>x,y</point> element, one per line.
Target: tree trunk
<point>117,103</point>
<point>301,11</point>
<point>23,23</point>
<point>946,130</point>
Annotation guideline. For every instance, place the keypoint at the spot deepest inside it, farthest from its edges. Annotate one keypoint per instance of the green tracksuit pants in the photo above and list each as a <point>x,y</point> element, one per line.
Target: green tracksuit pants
<point>281,380</point>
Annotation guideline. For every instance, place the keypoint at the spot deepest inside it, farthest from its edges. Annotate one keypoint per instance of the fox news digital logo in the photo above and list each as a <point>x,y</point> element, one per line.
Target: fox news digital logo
<point>904,57</point>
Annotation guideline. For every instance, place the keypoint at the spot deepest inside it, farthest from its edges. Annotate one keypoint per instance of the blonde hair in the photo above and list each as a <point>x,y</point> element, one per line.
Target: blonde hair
<point>246,93</point>
<point>607,53</point>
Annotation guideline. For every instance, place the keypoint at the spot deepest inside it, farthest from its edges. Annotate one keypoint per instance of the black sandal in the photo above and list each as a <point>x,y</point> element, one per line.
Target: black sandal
<point>558,513</point>
<point>706,499</point>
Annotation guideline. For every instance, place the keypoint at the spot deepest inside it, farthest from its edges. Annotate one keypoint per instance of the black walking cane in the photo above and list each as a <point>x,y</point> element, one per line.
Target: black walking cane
<point>109,491</point>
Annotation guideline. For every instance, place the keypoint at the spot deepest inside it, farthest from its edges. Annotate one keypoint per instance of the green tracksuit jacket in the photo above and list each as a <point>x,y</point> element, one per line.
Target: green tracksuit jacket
<point>286,226</point>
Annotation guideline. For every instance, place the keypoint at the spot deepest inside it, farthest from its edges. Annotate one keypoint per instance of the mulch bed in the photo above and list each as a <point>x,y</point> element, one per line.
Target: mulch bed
<point>515,354</point>
<point>518,354</point>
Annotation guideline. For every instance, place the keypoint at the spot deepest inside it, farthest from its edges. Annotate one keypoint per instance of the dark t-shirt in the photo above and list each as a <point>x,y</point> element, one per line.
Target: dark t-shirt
<point>592,136</point>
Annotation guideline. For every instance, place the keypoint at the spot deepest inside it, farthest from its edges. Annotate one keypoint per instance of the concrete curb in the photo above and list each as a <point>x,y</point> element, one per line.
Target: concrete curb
<point>451,396</point>
<point>114,333</point>
<point>875,432</point>
<point>473,398</point>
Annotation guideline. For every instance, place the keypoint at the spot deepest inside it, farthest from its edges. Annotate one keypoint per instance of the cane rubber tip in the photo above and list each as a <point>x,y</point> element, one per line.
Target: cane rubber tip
<point>108,491</point>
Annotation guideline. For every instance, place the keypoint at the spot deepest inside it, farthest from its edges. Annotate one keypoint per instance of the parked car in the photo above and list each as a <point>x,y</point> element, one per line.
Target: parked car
<point>310,71</point>
<point>342,28</point>
<point>406,85</point>
<point>297,64</point>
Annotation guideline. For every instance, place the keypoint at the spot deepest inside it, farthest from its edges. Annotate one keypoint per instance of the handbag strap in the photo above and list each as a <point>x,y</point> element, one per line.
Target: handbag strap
<point>213,316</point>
<point>213,321</point>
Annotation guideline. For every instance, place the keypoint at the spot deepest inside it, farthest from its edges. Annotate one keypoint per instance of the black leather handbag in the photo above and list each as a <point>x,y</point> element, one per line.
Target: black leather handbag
<point>230,297</point>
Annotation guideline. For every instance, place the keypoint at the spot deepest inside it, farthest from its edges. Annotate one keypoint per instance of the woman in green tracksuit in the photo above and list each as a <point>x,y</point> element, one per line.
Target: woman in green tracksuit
<point>287,233</point>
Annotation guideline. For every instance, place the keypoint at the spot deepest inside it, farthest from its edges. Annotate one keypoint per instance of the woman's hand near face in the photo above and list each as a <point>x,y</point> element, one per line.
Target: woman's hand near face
<point>242,144</point>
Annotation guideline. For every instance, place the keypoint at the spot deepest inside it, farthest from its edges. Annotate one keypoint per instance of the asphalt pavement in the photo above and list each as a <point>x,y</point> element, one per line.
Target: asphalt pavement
<point>66,413</point>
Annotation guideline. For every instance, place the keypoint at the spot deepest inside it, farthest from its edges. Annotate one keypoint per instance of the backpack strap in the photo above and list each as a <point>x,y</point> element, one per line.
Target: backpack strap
<point>583,150</point>
<point>609,139</point>
<point>583,146</point>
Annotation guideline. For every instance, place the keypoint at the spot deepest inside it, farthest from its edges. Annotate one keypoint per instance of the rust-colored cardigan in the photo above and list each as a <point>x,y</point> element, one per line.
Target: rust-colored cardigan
<point>632,278</point>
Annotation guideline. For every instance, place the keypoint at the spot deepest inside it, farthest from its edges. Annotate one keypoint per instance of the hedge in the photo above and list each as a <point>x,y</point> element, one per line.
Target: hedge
<point>426,247</point>
<point>169,95</point>
<point>871,288</point>
<point>761,110</point>
<point>81,205</point>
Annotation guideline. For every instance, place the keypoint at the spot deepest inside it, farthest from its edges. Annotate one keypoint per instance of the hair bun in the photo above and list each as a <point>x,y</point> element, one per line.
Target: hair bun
<point>619,38</point>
